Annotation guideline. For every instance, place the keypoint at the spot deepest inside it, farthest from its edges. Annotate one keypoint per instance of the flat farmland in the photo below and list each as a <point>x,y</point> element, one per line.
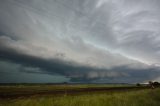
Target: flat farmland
<point>79,95</point>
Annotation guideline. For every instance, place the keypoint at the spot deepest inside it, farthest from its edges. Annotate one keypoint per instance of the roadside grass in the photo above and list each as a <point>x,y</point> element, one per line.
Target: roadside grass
<point>146,97</point>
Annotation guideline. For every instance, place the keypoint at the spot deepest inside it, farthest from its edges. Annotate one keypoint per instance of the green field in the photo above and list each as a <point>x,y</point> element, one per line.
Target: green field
<point>83,95</point>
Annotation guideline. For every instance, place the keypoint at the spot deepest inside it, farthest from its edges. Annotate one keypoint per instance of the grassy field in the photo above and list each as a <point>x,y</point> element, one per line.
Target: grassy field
<point>132,97</point>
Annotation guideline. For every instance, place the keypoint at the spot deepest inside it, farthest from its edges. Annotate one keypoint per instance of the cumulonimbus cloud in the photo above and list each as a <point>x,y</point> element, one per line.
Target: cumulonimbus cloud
<point>92,40</point>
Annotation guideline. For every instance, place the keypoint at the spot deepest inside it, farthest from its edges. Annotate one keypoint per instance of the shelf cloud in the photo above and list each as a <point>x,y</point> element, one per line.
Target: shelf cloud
<point>114,41</point>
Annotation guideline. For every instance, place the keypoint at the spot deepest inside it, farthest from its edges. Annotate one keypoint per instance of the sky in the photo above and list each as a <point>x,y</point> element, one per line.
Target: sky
<point>79,41</point>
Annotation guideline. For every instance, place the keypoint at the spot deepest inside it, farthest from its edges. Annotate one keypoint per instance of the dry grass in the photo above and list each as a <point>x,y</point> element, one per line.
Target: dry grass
<point>146,97</point>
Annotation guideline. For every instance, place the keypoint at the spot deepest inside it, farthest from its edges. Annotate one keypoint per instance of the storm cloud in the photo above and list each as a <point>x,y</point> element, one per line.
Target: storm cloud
<point>80,40</point>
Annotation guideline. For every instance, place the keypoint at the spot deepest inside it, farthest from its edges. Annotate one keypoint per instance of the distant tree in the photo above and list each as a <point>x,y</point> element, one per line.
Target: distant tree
<point>156,84</point>
<point>138,84</point>
<point>65,82</point>
<point>151,84</point>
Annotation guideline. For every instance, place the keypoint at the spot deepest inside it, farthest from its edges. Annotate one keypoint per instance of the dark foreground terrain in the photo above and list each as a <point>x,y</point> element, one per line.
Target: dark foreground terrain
<point>31,90</point>
<point>78,95</point>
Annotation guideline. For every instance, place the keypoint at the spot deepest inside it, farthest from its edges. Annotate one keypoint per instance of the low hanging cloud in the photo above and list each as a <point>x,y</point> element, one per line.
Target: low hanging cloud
<point>79,73</point>
<point>84,41</point>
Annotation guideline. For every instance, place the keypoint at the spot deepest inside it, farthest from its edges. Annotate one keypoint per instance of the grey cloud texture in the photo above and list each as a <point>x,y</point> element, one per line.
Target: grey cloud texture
<point>83,40</point>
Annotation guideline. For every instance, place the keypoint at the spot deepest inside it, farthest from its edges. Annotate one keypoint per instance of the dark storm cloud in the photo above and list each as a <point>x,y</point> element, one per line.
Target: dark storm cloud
<point>84,40</point>
<point>17,73</point>
<point>52,66</point>
<point>78,73</point>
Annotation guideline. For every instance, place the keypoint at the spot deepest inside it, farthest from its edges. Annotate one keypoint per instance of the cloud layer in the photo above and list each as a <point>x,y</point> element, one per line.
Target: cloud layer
<point>81,40</point>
